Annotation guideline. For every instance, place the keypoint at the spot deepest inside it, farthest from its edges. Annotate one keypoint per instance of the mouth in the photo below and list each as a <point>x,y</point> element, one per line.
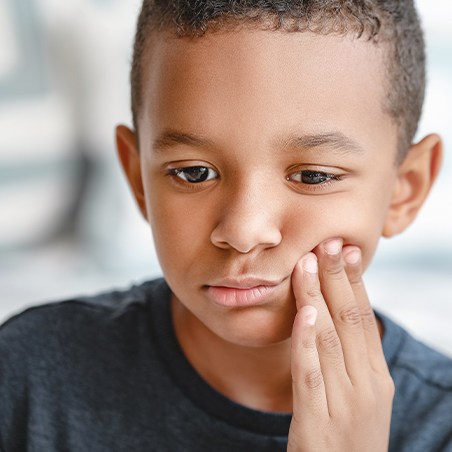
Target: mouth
<point>242,293</point>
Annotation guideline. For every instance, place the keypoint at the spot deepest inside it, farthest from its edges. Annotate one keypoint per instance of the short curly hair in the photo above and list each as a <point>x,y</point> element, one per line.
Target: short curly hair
<point>394,23</point>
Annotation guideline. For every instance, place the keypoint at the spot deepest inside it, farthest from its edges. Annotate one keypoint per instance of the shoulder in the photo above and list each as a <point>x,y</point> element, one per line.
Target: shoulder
<point>71,363</point>
<point>408,356</point>
<point>423,392</point>
<point>52,326</point>
<point>430,367</point>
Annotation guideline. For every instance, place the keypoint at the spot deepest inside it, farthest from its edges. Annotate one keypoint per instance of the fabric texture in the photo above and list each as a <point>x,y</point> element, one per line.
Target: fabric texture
<point>106,374</point>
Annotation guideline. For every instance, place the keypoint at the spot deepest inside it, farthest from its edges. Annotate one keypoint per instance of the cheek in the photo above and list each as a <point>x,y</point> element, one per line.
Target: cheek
<point>356,219</point>
<point>181,232</point>
<point>364,230</point>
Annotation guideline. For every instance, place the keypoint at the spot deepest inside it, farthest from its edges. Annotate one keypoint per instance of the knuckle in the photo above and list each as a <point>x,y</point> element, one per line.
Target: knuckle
<point>355,278</point>
<point>351,316</point>
<point>329,340</point>
<point>313,293</point>
<point>388,387</point>
<point>334,271</point>
<point>308,343</point>
<point>391,390</point>
<point>313,379</point>
<point>368,318</point>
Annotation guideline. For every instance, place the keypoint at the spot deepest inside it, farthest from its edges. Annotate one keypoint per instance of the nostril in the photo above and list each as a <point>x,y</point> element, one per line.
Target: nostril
<point>245,237</point>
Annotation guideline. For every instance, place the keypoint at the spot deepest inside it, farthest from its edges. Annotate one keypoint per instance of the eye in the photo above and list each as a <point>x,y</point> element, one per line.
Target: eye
<point>309,177</point>
<point>194,174</point>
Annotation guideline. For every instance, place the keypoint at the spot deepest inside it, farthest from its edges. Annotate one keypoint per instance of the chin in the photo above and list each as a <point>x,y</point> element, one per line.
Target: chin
<point>256,329</point>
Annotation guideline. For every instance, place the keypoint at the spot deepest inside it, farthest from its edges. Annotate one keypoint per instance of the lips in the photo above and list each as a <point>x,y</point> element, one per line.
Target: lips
<point>242,293</point>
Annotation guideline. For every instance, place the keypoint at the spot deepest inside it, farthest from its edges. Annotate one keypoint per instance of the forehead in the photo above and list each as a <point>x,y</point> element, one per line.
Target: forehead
<point>254,85</point>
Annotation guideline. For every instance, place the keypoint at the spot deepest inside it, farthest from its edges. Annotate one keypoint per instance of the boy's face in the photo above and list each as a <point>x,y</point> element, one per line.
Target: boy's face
<point>288,146</point>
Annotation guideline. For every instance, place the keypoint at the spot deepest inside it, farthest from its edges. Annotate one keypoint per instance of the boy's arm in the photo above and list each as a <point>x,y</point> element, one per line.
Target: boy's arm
<point>342,389</point>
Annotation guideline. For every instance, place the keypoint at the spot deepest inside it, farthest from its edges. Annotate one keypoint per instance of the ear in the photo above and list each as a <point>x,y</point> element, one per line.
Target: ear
<point>129,157</point>
<point>415,177</point>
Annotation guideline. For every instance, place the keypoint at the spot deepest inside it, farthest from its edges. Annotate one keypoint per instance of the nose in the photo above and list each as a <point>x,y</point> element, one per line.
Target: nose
<point>249,219</point>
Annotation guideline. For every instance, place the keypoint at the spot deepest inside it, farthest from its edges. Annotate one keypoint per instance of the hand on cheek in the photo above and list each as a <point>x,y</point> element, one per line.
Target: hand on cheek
<point>342,389</point>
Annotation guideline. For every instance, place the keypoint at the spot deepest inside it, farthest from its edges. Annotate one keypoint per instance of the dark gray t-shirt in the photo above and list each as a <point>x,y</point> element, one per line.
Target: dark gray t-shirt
<point>106,374</point>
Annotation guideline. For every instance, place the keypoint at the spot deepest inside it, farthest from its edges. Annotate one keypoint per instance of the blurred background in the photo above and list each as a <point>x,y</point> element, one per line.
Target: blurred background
<point>68,224</point>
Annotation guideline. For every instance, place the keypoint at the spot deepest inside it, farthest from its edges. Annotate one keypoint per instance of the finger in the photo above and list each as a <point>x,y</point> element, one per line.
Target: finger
<point>306,287</point>
<point>353,267</point>
<point>309,395</point>
<point>344,308</point>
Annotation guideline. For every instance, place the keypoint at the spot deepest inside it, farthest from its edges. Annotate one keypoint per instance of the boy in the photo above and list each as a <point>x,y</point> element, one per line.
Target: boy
<point>271,150</point>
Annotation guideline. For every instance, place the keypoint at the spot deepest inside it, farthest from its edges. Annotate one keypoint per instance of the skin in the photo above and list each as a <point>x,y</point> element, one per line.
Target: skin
<point>244,96</point>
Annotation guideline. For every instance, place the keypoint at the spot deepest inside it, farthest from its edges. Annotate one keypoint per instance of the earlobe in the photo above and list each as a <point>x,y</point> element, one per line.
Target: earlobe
<point>129,157</point>
<point>415,177</point>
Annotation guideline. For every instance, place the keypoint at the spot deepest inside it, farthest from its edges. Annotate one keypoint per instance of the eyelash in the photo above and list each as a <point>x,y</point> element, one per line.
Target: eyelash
<point>330,178</point>
<point>177,172</point>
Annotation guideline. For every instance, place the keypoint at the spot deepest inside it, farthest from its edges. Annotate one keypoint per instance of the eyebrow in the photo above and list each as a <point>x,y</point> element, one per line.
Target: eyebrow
<point>172,138</point>
<point>334,141</point>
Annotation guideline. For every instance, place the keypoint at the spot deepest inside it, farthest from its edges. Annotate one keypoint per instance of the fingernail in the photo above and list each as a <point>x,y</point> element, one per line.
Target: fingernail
<point>333,246</point>
<point>310,264</point>
<point>353,257</point>
<point>310,315</point>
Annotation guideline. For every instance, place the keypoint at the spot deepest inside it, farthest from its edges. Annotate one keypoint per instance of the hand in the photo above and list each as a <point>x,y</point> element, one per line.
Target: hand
<point>342,389</point>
